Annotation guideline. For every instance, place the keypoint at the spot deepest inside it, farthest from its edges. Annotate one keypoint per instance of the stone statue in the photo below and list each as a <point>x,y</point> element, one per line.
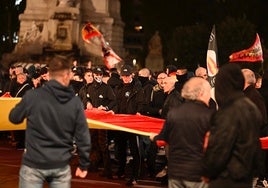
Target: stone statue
<point>33,34</point>
<point>66,3</point>
<point>154,59</point>
<point>155,45</point>
<point>32,40</point>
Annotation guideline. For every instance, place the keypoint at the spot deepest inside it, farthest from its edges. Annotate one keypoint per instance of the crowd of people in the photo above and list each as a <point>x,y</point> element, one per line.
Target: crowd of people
<point>211,135</point>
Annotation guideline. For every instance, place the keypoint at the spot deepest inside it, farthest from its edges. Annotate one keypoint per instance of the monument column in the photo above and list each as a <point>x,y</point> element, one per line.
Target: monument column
<point>32,25</point>
<point>64,24</point>
<point>154,60</point>
<point>105,15</point>
<point>48,25</point>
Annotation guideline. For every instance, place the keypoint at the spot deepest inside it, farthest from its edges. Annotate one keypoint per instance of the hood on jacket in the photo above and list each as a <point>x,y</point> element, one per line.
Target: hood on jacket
<point>62,93</point>
<point>229,83</point>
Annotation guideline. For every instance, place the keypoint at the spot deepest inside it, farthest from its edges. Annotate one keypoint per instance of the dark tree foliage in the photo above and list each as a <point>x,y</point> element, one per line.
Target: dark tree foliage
<point>178,22</point>
<point>234,35</point>
<point>189,46</point>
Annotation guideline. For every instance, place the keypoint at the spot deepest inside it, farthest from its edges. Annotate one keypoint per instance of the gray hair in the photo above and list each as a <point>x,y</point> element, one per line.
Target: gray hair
<point>194,87</point>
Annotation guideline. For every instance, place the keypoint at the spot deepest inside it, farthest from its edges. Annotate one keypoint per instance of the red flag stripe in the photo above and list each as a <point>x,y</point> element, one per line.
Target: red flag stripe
<point>252,54</point>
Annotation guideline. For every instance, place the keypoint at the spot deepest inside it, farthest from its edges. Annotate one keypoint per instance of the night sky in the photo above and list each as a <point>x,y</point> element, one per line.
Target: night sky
<point>167,15</point>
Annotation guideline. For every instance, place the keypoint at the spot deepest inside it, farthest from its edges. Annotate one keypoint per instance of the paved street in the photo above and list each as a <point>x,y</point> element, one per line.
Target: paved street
<point>9,169</point>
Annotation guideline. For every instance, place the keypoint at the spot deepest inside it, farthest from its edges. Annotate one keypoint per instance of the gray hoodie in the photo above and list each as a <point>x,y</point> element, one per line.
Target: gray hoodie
<point>55,117</point>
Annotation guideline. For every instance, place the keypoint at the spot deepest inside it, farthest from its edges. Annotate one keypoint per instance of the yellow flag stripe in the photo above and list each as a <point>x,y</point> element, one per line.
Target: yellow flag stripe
<point>6,104</point>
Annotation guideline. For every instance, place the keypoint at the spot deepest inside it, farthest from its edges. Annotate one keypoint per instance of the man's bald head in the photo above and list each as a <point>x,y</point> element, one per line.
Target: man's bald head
<point>169,83</point>
<point>144,72</point>
<point>196,88</point>
<point>201,72</point>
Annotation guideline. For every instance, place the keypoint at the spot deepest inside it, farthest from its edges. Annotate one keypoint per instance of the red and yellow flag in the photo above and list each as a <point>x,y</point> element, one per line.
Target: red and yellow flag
<point>252,54</point>
<point>90,32</point>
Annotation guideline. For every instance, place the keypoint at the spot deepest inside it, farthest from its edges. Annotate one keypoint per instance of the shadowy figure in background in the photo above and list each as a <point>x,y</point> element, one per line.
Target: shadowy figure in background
<point>253,94</point>
<point>233,154</point>
<point>173,98</point>
<point>202,73</point>
<point>264,92</point>
<point>101,97</point>
<point>184,131</point>
<point>22,87</point>
<point>130,97</point>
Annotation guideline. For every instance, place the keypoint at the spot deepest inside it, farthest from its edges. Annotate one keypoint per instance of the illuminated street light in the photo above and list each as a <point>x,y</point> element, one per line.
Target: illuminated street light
<point>138,28</point>
<point>134,61</point>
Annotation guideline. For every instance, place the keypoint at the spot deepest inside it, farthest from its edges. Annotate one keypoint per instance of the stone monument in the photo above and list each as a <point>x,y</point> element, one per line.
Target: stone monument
<point>154,60</point>
<point>55,26</point>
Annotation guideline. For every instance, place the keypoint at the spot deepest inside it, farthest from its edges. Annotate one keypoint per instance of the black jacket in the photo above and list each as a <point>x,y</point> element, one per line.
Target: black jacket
<point>55,117</point>
<point>253,94</point>
<point>114,81</point>
<point>130,98</point>
<point>101,94</point>
<point>172,100</point>
<point>184,130</point>
<point>157,99</point>
<point>234,150</point>
<point>22,89</point>
<point>77,85</point>
<point>234,147</point>
<point>83,94</point>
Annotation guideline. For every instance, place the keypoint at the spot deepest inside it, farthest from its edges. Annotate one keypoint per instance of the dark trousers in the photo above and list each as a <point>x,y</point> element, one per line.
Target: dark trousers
<point>20,138</point>
<point>99,150</point>
<point>148,151</point>
<point>230,183</point>
<point>122,139</point>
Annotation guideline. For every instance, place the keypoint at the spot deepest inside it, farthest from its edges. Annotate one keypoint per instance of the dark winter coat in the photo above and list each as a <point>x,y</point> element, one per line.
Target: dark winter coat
<point>157,99</point>
<point>114,81</point>
<point>101,94</point>
<point>130,98</point>
<point>184,130</point>
<point>234,152</point>
<point>173,99</point>
<point>234,145</point>
<point>253,94</point>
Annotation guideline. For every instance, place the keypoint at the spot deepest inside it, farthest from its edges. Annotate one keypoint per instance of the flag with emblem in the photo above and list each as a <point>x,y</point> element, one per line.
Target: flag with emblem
<point>212,59</point>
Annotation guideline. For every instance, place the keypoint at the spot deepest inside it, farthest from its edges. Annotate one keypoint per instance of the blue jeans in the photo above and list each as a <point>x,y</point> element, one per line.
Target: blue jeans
<point>35,178</point>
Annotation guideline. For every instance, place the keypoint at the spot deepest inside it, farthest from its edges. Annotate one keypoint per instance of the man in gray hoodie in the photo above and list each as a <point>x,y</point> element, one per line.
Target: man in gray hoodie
<point>55,117</point>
